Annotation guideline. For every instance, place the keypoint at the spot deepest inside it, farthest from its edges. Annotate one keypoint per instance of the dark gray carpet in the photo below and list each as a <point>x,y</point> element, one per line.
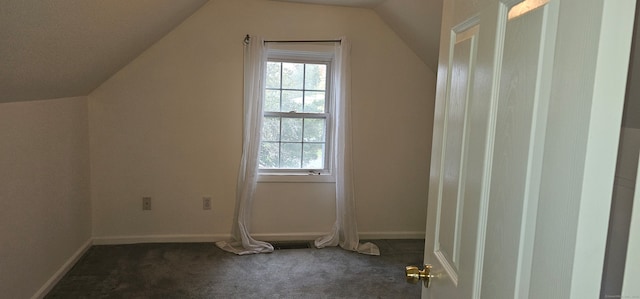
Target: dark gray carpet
<point>201,270</point>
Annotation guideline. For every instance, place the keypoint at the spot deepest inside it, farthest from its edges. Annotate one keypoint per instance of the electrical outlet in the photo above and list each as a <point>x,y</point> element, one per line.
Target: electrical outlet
<point>146,203</point>
<point>206,203</point>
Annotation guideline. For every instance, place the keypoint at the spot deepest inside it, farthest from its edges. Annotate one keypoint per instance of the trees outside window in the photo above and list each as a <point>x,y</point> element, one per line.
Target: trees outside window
<point>296,116</point>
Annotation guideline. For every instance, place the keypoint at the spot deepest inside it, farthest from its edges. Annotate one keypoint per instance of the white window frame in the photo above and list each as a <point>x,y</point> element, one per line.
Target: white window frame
<point>306,175</point>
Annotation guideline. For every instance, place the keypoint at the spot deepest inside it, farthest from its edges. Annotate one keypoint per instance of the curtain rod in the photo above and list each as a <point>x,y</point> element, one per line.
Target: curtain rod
<point>247,38</point>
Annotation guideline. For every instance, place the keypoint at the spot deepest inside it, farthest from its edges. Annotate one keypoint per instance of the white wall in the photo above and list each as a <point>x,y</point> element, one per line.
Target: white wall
<point>417,22</point>
<point>168,126</point>
<point>45,214</point>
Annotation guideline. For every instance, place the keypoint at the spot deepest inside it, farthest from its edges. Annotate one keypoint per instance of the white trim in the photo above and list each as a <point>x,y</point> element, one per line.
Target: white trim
<point>492,114</point>
<point>304,53</point>
<point>362,236</point>
<point>452,272</point>
<point>304,57</point>
<point>116,240</point>
<point>288,236</point>
<point>44,290</point>
<point>392,235</point>
<point>295,178</point>
<point>535,161</point>
<point>601,144</point>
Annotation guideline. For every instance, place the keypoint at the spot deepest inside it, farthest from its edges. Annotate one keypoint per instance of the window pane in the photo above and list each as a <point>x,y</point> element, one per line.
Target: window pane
<point>292,129</point>
<point>314,129</point>
<point>292,75</point>
<point>313,156</point>
<point>271,129</point>
<point>269,155</point>
<point>315,77</point>
<point>293,141</point>
<point>273,74</point>
<point>314,101</point>
<point>272,100</point>
<point>291,101</point>
<point>291,155</point>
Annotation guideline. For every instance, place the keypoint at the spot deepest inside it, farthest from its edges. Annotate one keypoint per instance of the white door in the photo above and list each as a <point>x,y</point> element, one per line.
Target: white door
<point>528,108</point>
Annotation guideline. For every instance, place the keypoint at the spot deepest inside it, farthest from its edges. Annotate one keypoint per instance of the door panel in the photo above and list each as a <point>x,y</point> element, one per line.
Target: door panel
<point>451,200</point>
<point>512,175</point>
<point>486,119</point>
<point>527,112</point>
<point>458,154</point>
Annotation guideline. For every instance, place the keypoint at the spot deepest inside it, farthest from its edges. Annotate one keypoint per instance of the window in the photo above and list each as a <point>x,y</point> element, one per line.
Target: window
<point>297,115</point>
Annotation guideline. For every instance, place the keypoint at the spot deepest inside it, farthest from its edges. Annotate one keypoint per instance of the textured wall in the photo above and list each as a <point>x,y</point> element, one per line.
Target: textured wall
<point>45,213</point>
<point>169,126</point>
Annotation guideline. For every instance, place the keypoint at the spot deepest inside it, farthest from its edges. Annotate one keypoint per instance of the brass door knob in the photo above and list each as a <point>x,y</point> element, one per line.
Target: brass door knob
<point>414,274</point>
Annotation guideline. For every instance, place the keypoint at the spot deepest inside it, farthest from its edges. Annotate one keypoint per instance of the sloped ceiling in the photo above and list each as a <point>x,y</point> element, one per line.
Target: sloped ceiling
<point>63,48</point>
<point>417,22</point>
<point>352,3</point>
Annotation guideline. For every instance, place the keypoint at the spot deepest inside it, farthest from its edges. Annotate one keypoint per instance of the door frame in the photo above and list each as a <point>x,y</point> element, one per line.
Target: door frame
<point>592,51</point>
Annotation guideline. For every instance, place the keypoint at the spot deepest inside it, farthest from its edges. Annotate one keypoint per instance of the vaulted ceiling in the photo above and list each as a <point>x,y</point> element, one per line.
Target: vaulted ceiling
<point>417,22</point>
<point>64,48</point>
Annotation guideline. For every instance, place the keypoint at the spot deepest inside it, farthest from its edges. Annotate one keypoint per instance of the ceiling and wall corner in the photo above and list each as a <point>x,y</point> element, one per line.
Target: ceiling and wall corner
<point>66,48</point>
<point>416,22</point>
<point>352,3</point>
<point>170,121</point>
<point>63,48</point>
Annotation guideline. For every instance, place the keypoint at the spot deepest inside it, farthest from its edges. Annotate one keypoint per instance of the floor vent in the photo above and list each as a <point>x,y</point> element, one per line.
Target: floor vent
<point>280,245</point>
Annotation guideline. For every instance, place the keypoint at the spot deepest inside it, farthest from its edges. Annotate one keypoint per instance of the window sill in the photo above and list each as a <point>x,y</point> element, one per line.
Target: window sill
<point>295,178</point>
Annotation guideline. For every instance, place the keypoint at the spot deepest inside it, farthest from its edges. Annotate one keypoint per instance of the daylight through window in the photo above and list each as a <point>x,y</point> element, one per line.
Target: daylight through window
<point>296,116</point>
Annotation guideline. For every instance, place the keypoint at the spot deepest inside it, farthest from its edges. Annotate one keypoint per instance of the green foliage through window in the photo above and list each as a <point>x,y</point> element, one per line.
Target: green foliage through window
<point>295,121</point>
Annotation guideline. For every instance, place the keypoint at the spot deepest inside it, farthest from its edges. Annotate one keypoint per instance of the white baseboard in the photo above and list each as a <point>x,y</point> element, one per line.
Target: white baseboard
<point>44,290</point>
<point>362,235</point>
<point>116,240</point>
<point>391,235</point>
<point>289,236</point>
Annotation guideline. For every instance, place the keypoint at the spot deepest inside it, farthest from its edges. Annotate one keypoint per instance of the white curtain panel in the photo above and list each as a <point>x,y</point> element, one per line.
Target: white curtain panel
<point>345,230</point>
<point>255,61</point>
